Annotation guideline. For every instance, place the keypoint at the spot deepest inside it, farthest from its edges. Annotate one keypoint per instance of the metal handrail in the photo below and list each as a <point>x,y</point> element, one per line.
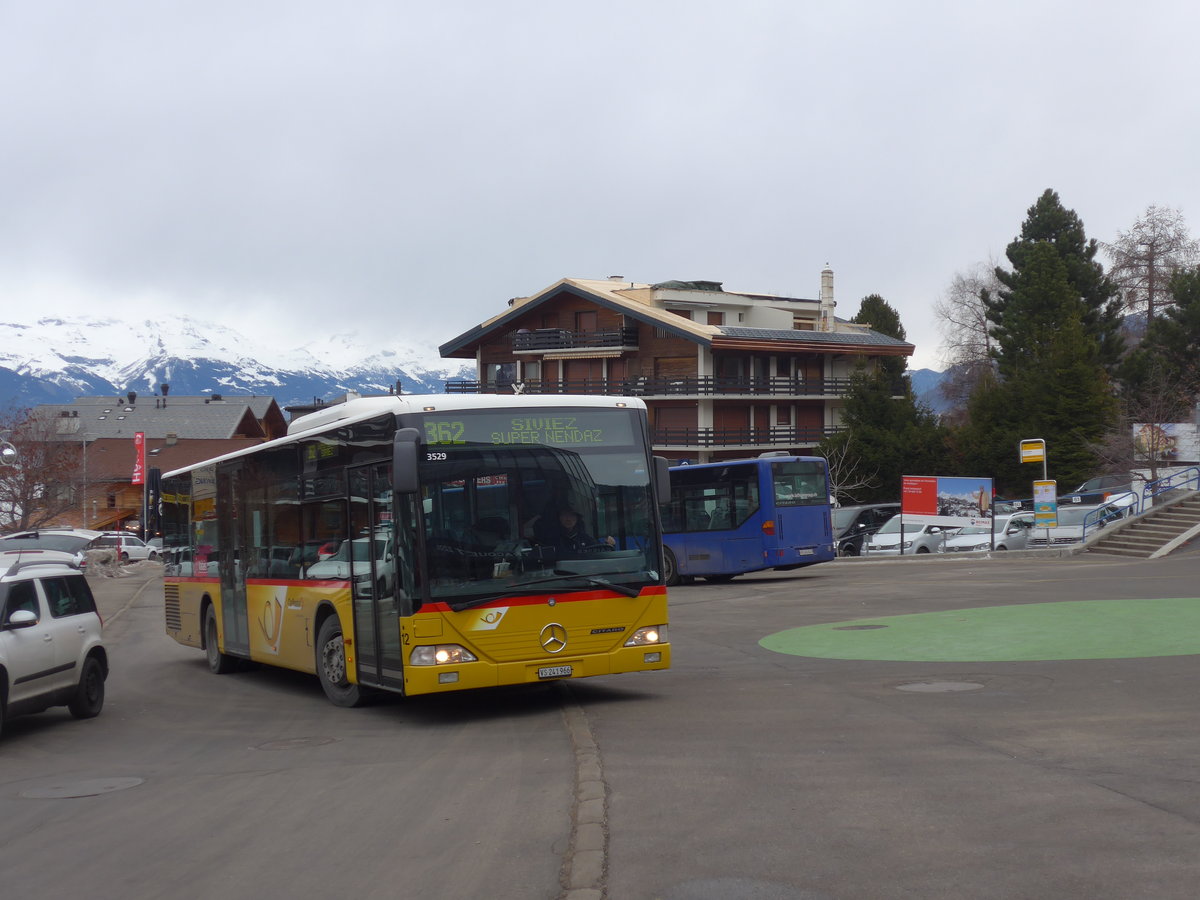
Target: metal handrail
<point>1168,482</point>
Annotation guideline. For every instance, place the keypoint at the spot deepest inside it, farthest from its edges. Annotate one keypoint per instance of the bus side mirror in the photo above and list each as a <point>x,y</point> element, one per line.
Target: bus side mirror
<point>662,480</point>
<point>405,445</point>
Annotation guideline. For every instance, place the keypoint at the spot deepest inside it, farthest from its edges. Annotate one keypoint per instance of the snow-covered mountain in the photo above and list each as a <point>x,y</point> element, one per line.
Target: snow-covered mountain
<point>58,359</point>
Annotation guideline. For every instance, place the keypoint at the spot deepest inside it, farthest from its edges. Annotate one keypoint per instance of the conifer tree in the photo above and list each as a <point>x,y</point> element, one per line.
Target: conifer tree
<point>1047,221</point>
<point>1054,323</point>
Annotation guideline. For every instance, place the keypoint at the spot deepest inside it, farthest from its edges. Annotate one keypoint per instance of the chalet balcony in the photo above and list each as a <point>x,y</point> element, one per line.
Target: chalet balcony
<point>775,436</point>
<point>541,340</point>
<point>669,387</point>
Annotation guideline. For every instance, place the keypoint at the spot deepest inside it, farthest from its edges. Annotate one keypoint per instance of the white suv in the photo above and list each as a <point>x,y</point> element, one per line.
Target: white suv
<point>51,649</point>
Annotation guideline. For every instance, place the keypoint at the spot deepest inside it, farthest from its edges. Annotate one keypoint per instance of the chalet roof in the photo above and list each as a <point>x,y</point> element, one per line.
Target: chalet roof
<point>857,338</point>
<point>634,300</point>
<point>214,417</point>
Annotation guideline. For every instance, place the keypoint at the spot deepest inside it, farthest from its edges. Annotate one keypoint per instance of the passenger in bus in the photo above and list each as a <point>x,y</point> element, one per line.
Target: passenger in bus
<point>566,533</point>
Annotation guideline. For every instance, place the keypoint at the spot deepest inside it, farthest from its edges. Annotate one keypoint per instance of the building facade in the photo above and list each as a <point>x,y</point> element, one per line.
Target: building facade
<point>724,374</point>
<point>96,488</point>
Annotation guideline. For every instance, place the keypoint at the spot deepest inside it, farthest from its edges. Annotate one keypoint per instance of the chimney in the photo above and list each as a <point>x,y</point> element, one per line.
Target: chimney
<point>172,439</point>
<point>132,395</point>
<point>825,320</point>
<point>165,388</point>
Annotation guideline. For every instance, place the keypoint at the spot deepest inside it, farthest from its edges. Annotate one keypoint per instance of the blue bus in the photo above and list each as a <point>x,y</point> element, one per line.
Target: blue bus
<point>745,515</point>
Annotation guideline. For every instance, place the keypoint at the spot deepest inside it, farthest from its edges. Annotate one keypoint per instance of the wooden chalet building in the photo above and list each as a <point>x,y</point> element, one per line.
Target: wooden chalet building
<point>724,374</point>
<point>179,431</point>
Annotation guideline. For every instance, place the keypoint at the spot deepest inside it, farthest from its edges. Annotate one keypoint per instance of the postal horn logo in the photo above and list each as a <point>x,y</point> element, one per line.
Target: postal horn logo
<point>553,638</point>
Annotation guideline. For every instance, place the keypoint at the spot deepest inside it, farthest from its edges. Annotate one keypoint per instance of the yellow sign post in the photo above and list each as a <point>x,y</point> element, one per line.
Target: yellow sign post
<point>1033,450</point>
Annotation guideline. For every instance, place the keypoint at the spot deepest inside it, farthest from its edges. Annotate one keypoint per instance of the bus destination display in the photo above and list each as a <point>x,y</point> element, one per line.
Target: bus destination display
<point>578,429</point>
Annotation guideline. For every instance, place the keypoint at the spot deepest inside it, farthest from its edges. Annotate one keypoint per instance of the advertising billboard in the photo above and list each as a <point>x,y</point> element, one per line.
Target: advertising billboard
<point>936,500</point>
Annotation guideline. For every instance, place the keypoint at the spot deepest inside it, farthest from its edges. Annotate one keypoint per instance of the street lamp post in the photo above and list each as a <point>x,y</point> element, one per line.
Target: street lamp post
<point>85,437</point>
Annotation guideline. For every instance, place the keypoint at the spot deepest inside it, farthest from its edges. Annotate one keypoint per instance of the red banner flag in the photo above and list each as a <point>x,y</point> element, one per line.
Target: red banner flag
<point>139,458</point>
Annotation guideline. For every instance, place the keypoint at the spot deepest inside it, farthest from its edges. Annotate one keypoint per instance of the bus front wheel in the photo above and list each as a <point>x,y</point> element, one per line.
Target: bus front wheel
<point>331,665</point>
<point>670,567</point>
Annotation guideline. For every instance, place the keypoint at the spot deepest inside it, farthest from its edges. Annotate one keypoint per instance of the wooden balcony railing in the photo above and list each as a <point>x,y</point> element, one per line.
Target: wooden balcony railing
<point>666,387</point>
<point>775,436</point>
<point>561,339</point>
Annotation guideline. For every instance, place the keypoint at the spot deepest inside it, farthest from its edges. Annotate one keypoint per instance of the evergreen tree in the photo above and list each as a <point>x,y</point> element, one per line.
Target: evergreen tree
<point>1047,221</point>
<point>1054,324</point>
<point>887,436</point>
<point>882,317</point>
<point>1169,355</point>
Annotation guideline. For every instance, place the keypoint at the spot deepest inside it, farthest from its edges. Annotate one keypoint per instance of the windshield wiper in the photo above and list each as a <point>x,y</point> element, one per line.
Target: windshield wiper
<point>560,575</point>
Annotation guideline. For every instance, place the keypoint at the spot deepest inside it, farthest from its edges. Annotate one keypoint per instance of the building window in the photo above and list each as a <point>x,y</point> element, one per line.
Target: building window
<point>683,313</point>
<point>500,373</point>
<point>716,318</point>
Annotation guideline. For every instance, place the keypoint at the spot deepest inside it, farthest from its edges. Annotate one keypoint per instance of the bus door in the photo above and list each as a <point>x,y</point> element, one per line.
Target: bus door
<point>379,576</point>
<point>234,620</point>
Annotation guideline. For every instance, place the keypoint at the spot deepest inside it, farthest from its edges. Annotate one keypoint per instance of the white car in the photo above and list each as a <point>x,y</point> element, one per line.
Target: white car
<point>131,549</point>
<point>1011,533</point>
<point>73,541</point>
<point>337,567</point>
<point>51,646</point>
<point>917,538</point>
<point>1073,520</point>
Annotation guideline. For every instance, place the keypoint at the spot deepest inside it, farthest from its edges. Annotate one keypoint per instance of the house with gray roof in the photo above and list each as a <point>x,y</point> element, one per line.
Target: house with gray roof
<point>177,430</point>
<point>725,374</point>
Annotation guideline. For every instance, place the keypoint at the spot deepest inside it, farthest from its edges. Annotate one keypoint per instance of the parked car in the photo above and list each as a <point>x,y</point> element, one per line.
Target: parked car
<point>51,645</point>
<point>917,538</point>
<point>337,567</point>
<point>1073,519</point>
<point>66,540</point>
<point>131,548</point>
<point>1010,532</point>
<point>1099,489</point>
<point>854,524</point>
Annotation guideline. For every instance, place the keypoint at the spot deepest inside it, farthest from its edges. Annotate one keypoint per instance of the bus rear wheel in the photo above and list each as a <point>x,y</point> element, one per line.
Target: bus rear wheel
<point>670,567</point>
<point>218,663</point>
<point>331,665</point>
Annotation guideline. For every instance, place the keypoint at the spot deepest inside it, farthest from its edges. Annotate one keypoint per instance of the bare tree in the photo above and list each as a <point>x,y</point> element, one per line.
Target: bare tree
<point>963,322</point>
<point>1138,439</point>
<point>40,486</point>
<point>845,475</point>
<point>1146,256</point>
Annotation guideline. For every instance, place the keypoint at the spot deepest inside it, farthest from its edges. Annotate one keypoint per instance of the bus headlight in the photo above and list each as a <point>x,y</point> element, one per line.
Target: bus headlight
<point>649,634</point>
<point>440,655</point>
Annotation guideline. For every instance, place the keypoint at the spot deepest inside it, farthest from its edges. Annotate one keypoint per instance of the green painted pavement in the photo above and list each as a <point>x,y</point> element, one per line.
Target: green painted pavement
<point>1081,629</point>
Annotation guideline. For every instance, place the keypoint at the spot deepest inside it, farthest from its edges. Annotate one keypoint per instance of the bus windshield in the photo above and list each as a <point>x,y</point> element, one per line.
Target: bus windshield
<point>511,500</point>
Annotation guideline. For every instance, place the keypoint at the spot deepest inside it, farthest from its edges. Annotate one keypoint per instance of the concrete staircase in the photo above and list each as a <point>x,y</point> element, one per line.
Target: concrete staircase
<point>1154,533</point>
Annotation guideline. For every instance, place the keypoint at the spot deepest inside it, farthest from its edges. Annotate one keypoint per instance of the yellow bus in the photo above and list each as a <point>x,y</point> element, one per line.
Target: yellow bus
<point>417,544</point>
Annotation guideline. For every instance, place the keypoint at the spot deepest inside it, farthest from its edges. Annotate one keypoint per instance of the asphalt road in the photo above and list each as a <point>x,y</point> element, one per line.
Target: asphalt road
<point>967,728</point>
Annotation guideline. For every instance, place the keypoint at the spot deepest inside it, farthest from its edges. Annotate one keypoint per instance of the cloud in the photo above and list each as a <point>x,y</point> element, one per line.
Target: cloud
<point>411,166</point>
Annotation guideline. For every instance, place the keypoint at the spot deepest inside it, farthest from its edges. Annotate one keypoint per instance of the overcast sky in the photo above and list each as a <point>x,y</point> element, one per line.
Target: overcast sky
<point>406,167</point>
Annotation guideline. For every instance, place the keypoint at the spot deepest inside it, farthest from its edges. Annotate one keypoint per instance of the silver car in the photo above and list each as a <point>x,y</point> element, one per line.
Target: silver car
<point>916,538</point>
<point>1072,521</point>
<point>1011,532</point>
